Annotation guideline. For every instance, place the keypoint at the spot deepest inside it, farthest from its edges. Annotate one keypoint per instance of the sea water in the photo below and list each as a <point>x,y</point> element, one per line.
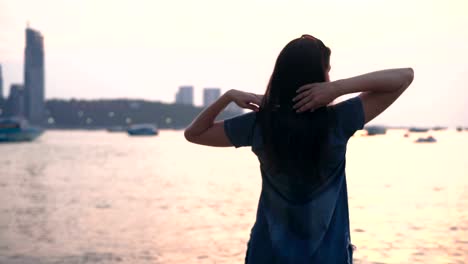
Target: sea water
<point>99,197</point>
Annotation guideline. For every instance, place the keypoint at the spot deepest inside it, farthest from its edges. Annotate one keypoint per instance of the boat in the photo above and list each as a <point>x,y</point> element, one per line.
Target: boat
<point>429,139</point>
<point>418,129</point>
<point>142,130</point>
<point>439,128</point>
<point>375,130</point>
<point>18,130</point>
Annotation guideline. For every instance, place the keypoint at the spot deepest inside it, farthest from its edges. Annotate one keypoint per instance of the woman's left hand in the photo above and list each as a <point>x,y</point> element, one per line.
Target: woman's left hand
<point>314,95</point>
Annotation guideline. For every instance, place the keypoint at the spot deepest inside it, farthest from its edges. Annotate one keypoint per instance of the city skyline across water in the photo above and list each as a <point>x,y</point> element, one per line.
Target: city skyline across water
<point>147,51</point>
<point>26,100</point>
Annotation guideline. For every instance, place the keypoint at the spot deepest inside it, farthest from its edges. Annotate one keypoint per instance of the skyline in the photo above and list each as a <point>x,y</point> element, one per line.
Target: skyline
<point>147,51</point>
<point>26,99</point>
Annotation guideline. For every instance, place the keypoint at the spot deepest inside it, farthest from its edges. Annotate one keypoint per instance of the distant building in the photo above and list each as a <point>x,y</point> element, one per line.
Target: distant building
<point>234,109</point>
<point>2,100</point>
<point>15,101</point>
<point>34,106</point>
<point>184,95</point>
<point>1,84</point>
<point>210,95</point>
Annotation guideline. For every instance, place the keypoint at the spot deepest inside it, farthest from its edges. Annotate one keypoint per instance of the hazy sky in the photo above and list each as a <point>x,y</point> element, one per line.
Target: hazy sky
<point>146,49</point>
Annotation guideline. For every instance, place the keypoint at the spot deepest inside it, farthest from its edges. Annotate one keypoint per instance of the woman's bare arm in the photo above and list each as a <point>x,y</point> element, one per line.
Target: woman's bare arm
<point>379,90</point>
<point>203,130</point>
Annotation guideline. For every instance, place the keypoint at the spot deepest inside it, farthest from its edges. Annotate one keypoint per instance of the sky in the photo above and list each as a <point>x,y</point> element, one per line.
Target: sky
<point>146,49</point>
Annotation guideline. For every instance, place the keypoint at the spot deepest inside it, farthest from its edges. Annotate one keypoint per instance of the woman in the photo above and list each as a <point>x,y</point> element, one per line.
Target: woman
<point>300,141</point>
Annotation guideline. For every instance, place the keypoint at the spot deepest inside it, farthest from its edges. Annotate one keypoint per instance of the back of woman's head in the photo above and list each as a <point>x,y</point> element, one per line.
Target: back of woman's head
<point>296,143</point>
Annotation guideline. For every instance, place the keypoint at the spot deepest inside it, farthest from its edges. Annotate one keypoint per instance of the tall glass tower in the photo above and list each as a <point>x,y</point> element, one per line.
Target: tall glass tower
<point>34,105</point>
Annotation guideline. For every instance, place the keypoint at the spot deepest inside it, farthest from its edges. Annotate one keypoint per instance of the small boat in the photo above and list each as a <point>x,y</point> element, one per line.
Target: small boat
<point>429,139</point>
<point>142,130</point>
<point>17,130</point>
<point>375,130</point>
<point>439,128</point>
<point>418,129</point>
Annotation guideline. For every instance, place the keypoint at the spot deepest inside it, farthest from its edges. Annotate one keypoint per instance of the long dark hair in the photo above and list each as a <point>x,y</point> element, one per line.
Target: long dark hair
<point>296,143</point>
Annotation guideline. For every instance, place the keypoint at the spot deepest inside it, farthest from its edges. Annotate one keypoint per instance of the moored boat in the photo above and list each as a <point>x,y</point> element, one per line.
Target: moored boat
<point>17,130</point>
<point>418,129</point>
<point>429,139</point>
<point>375,130</point>
<point>143,130</point>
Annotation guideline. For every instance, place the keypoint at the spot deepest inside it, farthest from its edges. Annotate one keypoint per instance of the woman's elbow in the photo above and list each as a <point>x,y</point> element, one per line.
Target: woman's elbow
<point>406,76</point>
<point>409,73</point>
<point>189,135</point>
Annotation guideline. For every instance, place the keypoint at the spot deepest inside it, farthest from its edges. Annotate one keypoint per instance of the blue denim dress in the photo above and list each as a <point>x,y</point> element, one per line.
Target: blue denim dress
<point>297,223</point>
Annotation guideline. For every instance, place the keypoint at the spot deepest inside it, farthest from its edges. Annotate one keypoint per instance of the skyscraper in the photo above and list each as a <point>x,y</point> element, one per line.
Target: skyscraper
<point>34,77</point>
<point>1,84</point>
<point>15,102</point>
<point>210,95</point>
<point>184,95</point>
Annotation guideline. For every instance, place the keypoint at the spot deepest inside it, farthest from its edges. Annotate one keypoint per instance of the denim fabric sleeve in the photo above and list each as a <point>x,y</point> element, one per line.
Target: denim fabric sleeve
<point>239,129</point>
<point>350,116</point>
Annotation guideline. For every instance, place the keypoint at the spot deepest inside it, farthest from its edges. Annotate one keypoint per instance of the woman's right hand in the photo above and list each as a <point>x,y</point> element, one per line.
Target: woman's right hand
<point>246,100</point>
<point>314,95</point>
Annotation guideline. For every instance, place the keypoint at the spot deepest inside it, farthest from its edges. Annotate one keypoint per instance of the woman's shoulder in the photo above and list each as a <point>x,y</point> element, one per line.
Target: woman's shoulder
<point>240,129</point>
<point>348,115</point>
